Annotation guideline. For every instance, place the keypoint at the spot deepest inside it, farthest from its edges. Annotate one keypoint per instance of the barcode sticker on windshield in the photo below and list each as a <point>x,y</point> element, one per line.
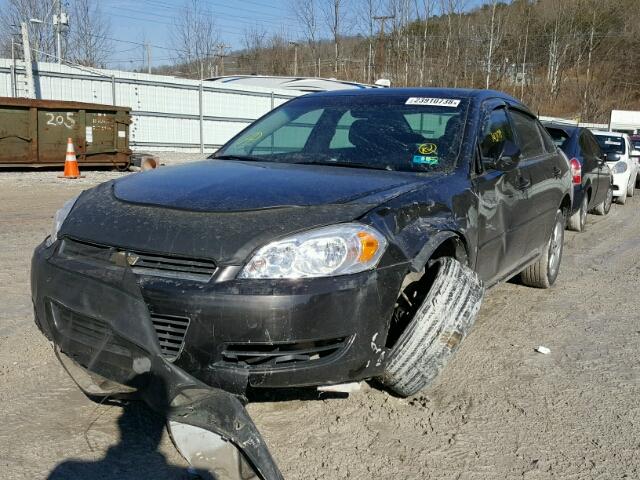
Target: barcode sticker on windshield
<point>437,102</point>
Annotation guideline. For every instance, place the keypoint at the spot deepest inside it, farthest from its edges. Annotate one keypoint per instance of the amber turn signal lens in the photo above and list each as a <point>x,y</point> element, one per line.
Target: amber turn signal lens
<point>368,246</point>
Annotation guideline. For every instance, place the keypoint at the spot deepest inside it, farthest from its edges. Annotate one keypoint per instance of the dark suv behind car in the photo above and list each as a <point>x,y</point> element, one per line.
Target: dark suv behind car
<point>591,177</point>
<point>343,236</point>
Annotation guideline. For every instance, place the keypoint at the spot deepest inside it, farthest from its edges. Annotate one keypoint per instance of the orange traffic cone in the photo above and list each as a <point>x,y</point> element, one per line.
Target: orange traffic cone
<point>71,169</point>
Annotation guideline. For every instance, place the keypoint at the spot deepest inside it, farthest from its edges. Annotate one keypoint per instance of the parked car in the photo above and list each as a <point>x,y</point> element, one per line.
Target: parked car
<point>635,154</point>
<point>617,149</point>
<point>591,177</point>
<point>343,236</point>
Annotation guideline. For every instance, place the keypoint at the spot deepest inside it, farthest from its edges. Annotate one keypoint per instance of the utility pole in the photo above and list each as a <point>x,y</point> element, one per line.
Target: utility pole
<point>201,106</point>
<point>59,19</point>
<point>221,48</point>
<point>295,58</point>
<point>28,66</point>
<point>382,19</point>
<point>13,67</point>
<point>148,48</point>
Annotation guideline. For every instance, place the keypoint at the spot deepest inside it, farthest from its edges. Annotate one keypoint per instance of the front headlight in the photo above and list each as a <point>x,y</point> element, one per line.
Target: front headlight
<point>59,219</point>
<point>620,167</point>
<point>322,252</point>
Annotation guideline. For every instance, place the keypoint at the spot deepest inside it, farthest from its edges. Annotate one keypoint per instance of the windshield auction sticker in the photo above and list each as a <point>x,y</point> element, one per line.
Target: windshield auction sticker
<point>437,102</point>
<point>427,148</point>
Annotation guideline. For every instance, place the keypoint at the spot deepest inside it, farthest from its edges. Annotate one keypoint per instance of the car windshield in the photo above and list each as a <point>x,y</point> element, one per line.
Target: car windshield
<point>389,132</point>
<point>611,144</point>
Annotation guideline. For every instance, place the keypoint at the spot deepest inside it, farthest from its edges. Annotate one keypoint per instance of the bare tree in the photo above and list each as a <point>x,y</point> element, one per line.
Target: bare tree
<point>333,16</point>
<point>42,35</point>
<point>254,42</point>
<point>194,36</point>
<point>306,11</point>
<point>89,30</point>
<point>492,41</point>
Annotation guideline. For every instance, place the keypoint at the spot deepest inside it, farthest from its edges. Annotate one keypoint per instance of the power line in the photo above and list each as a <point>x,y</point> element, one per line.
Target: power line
<point>173,17</point>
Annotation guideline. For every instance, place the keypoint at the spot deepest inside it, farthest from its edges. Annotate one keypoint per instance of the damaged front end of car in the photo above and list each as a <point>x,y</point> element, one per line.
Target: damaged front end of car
<point>103,336</point>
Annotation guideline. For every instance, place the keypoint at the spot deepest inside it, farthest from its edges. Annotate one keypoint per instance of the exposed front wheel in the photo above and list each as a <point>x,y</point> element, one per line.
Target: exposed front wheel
<point>543,273</point>
<point>604,207</point>
<point>578,220</point>
<point>631,187</point>
<point>438,321</point>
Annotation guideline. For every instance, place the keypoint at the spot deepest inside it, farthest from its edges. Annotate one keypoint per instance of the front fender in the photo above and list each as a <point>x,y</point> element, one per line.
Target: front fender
<point>420,260</point>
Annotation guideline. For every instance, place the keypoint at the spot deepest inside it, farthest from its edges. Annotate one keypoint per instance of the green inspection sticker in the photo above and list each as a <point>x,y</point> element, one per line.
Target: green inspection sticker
<point>425,160</point>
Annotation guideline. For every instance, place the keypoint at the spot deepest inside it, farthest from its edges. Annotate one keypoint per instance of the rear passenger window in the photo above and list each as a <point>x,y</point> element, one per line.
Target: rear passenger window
<point>529,138</point>
<point>496,129</point>
<point>586,147</point>
<point>597,151</point>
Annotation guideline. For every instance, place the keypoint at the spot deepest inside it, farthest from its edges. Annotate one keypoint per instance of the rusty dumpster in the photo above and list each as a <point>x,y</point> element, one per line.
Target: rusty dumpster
<point>34,133</point>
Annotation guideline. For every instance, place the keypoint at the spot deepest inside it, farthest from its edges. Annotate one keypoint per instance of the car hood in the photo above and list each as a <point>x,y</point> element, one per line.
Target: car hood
<point>232,186</point>
<point>225,210</point>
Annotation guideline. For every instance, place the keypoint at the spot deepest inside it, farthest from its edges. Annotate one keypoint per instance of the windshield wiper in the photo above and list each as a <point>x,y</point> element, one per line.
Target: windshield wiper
<point>237,157</point>
<point>343,164</point>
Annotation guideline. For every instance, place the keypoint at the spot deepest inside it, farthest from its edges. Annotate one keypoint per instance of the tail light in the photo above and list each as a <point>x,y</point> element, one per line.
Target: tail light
<point>576,171</point>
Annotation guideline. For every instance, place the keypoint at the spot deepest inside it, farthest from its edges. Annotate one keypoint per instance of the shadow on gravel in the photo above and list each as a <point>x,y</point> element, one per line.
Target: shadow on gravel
<point>136,456</point>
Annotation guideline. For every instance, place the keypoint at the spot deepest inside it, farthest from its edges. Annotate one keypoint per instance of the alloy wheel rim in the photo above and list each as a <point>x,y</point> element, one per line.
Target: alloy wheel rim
<point>555,246</point>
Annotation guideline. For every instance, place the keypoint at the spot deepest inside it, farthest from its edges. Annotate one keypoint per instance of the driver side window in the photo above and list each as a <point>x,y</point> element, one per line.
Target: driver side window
<point>496,129</point>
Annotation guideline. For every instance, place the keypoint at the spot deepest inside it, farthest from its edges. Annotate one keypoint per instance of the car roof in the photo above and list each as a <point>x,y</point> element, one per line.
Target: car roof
<point>609,134</point>
<point>475,94</point>
<point>568,129</point>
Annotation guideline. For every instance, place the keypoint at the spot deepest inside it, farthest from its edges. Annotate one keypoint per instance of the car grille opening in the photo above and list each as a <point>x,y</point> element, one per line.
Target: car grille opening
<point>143,263</point>
<point>88,331</point>
<point>174,267</point>
<point>170,330</point>
<point>280,354</point>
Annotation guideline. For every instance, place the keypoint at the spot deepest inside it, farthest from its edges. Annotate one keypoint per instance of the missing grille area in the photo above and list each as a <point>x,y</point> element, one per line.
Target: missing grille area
<point>278,354</point>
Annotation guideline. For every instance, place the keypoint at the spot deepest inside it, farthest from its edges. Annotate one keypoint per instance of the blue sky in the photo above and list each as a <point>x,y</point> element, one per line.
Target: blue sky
<point>134,22</point>
<point>152,21</point>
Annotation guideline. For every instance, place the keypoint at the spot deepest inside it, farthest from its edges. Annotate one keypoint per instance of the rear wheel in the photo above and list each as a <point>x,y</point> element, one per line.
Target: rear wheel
<point>604,207</point>
<point>438,321</point>
<point>578,220</point>
<point>631,187</point>
<point>543,273</point>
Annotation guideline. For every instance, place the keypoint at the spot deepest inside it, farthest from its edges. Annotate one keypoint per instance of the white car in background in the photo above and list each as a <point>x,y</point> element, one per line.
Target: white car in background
<point>617,150</point>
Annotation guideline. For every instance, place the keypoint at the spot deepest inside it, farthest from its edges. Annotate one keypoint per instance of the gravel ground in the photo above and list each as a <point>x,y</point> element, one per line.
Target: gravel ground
<point>499,410</point>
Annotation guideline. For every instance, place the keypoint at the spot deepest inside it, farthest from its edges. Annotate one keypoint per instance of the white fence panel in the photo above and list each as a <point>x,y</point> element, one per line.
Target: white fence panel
<point>165,110</point>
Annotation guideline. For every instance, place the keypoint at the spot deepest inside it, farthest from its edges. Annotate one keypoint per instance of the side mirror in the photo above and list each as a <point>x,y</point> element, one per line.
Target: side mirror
<point>509,158</point>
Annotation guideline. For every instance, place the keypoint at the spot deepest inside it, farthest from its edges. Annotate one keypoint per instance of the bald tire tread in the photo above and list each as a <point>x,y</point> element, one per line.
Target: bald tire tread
<point>537,274</point>
<point>434,334</point>
<point>604,207</point>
